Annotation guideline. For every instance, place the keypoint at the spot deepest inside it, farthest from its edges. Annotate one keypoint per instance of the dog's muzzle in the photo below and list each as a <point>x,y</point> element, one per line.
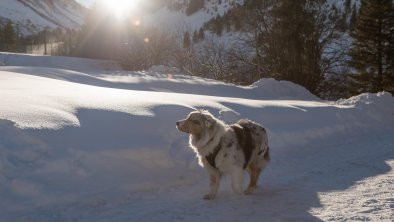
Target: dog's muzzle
<point>180,125</point>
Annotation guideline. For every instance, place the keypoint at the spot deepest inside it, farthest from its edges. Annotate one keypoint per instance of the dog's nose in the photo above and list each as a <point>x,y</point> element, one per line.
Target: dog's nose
<point>177,124</point>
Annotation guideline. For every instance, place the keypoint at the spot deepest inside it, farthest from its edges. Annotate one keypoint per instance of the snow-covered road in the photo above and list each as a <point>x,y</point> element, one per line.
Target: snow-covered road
<point>102,146</point>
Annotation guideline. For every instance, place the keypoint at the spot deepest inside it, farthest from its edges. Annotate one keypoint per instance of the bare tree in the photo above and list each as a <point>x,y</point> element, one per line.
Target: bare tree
<point>148,47</point>
<point>184,58</point>
<point>212,59</point>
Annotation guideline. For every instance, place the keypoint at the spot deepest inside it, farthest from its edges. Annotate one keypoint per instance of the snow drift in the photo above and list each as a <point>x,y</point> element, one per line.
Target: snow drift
<point>60,62</point>
<point>82,146</point>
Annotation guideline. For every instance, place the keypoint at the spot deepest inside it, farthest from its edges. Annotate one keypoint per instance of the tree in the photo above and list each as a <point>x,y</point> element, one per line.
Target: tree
<point>293,49</point>
<point>373,46</point>
<point>201,34</point>
<point>186,40</point>
<point>160,46</point>
<point>299,41</point>
<point>195,37</point>
<point>347,5</point>
<point>9,37</point>
<point>1,38</point>
<point>101,36</point>
<point>353,18</point>
<point>194,6</point>
<point>213,61</point>
<point>218,25</point>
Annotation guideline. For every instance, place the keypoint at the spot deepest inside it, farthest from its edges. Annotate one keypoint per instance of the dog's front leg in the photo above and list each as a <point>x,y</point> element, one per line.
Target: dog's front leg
<point>214,178</point>
<point>237,179</point>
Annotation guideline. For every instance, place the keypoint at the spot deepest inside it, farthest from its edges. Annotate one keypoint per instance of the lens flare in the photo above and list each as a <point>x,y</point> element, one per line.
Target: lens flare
<point>120,8</point>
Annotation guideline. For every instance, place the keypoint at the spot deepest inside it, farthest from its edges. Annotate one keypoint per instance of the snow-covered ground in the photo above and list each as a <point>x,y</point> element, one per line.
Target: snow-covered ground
<point>59,62</point>
<point>101,145</point>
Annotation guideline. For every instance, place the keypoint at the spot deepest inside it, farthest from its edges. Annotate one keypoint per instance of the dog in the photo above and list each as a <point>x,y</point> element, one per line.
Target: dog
<point>227,149</point>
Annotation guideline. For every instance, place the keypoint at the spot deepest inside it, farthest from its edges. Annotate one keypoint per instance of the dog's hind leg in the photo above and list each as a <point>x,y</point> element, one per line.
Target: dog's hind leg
<point>214,178</point>
<point>237,179</point>
<point>254,172</point>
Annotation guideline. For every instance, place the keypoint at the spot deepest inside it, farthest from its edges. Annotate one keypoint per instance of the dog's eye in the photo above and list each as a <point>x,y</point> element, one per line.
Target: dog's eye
<point>195,121</point>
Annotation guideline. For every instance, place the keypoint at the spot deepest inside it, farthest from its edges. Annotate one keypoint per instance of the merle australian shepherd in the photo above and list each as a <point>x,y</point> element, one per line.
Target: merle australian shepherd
<point>227,149</point>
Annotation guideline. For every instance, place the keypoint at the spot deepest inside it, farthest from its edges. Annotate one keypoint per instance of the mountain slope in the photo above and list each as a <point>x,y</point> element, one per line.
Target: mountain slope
<point>31,16</point>
<point>181,15</point>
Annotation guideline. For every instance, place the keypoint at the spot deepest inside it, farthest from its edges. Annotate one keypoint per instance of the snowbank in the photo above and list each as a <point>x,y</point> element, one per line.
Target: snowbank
<point>282,89</point>
<point>167,79</point>
<point>378,106</point>
<point>60,62</point>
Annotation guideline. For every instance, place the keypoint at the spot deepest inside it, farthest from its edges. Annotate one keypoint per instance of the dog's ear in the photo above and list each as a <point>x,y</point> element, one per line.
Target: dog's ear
<point>208,121</point>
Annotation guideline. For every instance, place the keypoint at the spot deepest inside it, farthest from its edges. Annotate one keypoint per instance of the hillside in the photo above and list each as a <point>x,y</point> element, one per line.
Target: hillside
<point>184,15</point>
<point>32,16</point>
<point>187,15</point>
<point>101,145</point>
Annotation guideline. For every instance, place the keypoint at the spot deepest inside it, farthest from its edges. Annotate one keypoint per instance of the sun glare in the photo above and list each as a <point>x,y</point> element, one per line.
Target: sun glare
<point>120,8</point>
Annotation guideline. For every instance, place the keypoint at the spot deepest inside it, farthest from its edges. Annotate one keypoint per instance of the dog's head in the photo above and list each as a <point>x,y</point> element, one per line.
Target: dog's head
<point>196,123</point>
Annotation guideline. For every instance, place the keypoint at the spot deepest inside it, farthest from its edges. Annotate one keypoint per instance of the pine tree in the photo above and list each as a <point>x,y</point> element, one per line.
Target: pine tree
<point>293,53</point>
<point>353,18</point>
<point>1,38</point>
<point>9,37</point>
<point>186,40</point>
<point>218,25</point>
<point>194,6</point>
<point>201,34</point>
<point>195,37</point>
<point>347,5</point>
<point>372,49</point>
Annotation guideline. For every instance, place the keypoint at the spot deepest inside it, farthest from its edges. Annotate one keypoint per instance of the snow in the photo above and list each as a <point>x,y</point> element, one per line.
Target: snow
<point>372,199</point>
<point>83,141</point>
<point>16,11</point>
<point>33,16</point>
<point>179,21</point>
<point>61,62</point>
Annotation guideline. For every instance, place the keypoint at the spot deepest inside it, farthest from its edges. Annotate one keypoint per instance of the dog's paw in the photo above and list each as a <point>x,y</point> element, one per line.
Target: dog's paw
<point>249,191</point>
<point>208,197</point>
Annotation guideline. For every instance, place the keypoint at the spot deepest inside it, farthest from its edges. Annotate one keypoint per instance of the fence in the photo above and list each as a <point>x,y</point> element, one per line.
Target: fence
<point>53,48</point>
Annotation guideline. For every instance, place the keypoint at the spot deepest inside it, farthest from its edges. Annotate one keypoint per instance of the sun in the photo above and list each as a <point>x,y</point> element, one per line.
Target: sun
<point>120,8</point>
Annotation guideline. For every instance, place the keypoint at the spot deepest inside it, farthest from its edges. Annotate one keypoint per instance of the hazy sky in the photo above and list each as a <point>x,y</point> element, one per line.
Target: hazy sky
<point>86,2</point>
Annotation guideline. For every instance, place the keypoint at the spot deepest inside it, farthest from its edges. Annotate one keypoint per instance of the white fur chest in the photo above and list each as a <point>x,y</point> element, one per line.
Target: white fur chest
<point>228,156</point>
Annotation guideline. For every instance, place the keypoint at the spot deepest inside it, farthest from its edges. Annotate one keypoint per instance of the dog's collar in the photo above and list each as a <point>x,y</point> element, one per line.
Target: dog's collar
<point>212,156</point>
